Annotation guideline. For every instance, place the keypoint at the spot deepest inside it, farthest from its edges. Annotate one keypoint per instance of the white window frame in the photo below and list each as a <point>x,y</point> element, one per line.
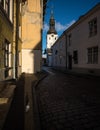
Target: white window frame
<point>92,55</point>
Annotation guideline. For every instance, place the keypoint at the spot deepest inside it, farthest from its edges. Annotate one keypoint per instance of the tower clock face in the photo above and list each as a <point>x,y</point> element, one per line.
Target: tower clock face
<point>51,38</point>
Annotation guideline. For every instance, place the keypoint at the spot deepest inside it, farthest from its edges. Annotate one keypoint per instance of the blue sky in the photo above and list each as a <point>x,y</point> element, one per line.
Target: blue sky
<point>66,12</point>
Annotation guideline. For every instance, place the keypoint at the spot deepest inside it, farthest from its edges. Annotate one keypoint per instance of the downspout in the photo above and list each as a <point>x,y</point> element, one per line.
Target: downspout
<point>14,38</point>
<point>17,38</point>
<point>41,22</point>
<point>66,48</point>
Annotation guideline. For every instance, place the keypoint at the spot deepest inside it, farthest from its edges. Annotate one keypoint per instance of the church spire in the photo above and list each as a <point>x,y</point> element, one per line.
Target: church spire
<point>52,24</point>
<point>52,14</point>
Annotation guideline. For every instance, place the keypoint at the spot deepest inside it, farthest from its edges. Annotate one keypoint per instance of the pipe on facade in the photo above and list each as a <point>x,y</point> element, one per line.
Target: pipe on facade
<point>17,37</point>
<point>66,48</point>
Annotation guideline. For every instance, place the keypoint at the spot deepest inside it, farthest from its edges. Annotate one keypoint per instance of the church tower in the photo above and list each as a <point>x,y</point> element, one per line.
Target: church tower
<point>52,36</point>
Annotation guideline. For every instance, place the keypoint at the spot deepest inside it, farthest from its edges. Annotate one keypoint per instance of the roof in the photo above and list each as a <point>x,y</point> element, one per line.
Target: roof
<point>52,25</point>
<point>83,17</point>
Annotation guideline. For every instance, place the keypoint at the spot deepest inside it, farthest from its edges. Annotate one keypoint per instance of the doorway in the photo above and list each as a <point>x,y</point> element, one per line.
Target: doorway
<point>70,62</point>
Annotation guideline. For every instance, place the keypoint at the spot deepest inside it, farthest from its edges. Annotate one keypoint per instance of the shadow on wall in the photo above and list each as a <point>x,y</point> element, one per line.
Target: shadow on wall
<point>37,57</point>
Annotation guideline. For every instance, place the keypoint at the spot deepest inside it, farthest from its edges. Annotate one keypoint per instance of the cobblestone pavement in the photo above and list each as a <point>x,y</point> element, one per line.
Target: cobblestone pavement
<point>68,102</point>
<point>15,116</point>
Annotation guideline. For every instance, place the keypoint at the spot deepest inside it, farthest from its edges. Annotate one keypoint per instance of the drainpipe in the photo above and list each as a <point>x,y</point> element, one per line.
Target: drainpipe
<point>41,23</point>
<point>66,47</point>
<point>17,38</point>
<point>14,37</point>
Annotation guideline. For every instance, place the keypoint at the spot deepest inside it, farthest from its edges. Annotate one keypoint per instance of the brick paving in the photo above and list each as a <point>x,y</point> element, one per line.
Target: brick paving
<point>68,102</point>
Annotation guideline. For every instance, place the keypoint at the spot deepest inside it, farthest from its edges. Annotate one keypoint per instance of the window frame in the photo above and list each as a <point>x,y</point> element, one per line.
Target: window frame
<point>7,7</point>
<point>7,53</point>
<point>92,55</point>
<point>93,27</point>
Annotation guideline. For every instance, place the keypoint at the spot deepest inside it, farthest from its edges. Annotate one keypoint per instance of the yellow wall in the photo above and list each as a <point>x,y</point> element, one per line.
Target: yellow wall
<point>31,25</point>
<point>31,36</point>
<point>34,6</point>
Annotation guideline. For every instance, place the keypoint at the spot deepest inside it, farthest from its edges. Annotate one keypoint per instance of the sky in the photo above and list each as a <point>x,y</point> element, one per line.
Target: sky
<point>66,12</point>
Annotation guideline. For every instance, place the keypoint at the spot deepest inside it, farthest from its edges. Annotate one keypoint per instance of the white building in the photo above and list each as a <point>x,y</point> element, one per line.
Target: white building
<point>59,52</point>
<point>51,38</point>
<point>82,43</point>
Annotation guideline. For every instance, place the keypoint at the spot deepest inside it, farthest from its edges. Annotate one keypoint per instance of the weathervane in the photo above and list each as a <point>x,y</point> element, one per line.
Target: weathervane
<point>52,10</point>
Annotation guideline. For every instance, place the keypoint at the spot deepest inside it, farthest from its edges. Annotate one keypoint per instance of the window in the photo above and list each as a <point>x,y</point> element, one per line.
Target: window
<point>93,55</point>
<point>89,55</point>
<point>93,27</point>
<point>2,2</point>
<point>7,2</point>
<point>7,54</point>
<point>75,57</point>
<point>69,39</point>
<point>7,57</point>
<point>56,52</point>
<point>6,5</point>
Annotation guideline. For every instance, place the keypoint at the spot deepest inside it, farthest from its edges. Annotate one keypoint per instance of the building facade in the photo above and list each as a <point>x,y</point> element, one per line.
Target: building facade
<point>20,37</point>
<point>6,39</point>
<point>82,44</point>
<point>32,17</point>
<point>59,52</point>
<point>52,36</point>
<point>10,40</point>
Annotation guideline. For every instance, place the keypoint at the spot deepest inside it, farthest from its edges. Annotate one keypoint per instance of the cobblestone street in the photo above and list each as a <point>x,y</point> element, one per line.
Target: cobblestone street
<point>69,102</point>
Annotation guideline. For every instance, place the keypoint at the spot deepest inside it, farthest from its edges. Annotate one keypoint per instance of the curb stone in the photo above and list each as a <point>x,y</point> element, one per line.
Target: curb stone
<point>35,105</point>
